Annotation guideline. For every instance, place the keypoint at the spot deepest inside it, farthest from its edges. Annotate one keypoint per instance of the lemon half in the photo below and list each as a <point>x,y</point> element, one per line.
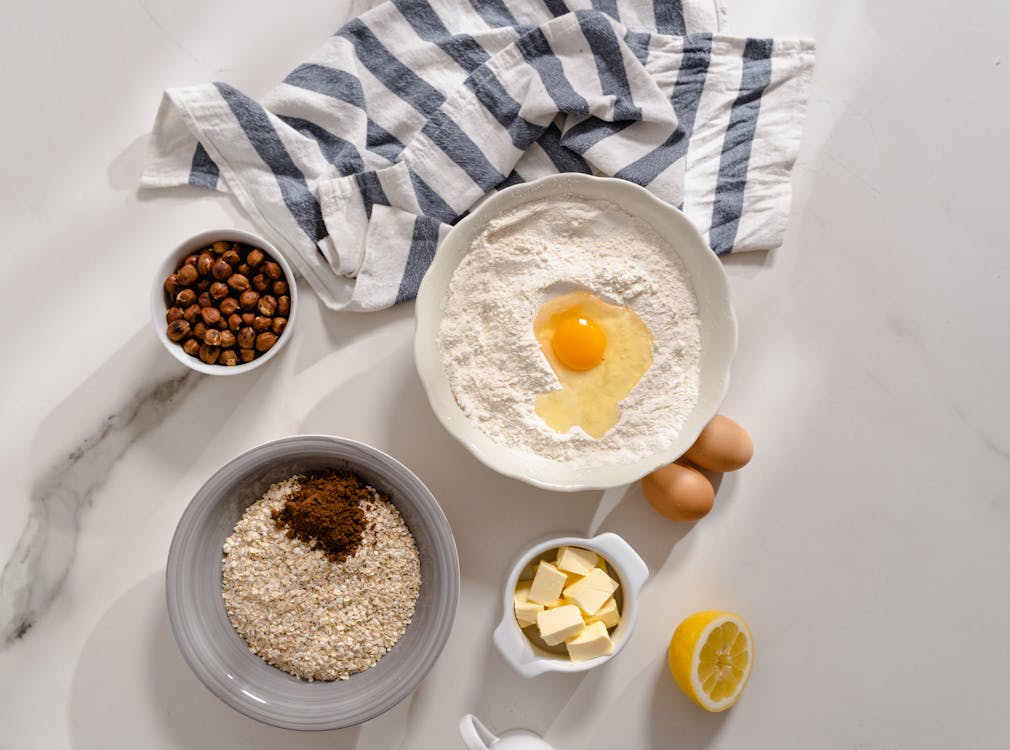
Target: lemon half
<point>711,655</point>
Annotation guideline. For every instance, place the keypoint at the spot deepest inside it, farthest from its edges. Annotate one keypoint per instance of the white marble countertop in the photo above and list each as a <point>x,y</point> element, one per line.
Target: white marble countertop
<point>866,544</point>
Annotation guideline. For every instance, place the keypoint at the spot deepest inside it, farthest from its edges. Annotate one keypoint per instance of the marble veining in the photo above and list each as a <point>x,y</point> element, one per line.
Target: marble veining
<point>34,574</point>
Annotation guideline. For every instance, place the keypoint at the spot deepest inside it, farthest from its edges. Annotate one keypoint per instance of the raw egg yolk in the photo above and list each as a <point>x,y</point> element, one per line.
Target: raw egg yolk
<point>579,342</point>
<point>598,352</point>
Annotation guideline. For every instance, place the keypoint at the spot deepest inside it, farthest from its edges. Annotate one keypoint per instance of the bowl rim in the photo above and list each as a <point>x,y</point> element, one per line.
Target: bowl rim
<point>174,583</point>
<point>168,265</point>
<point>536,470</point>
<point>525,656</point>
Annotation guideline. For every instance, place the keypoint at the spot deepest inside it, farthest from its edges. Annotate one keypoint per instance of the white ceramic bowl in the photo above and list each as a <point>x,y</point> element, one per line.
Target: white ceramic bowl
<point>718,330</point>
<point>531,660</point>
<point>171,264</point>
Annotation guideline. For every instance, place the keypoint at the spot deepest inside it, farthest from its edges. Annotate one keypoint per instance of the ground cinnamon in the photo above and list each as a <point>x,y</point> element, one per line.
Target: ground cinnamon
<point>325,512</point>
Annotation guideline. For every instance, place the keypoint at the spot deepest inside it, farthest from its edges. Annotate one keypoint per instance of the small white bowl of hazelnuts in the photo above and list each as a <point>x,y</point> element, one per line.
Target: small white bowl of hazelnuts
<point>224,302</point>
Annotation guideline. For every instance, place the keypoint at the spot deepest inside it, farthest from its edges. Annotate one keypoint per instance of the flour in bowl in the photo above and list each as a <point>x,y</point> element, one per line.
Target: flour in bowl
<point>534,253</point>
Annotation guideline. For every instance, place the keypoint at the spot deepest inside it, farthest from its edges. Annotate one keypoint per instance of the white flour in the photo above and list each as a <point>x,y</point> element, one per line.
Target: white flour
<point>537,251</point>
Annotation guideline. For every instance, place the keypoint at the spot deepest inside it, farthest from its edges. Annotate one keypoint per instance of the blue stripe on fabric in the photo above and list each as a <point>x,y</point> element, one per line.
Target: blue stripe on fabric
<point>638,41</point>
<point>490,92</point>
<point>512,179</point>
<point>338,84</point>
<point>203,172</point>
<point>371,191</point>
<point>537,51</point>
<point>669,17</point>
<point>563,158</point>
<point>458,146</point>
<point>607,6</point>
<point>422,252</point>
<point>609,63</point>
<point>736,148</point>
<point>392,73</point>
<point>495,13</point>
<point>686,97</point>
<point>380,141</point>
<point>557,7</point>
<point>586,134</point>
<point>338,152</point>
<point>460,47</point>
<point>255,123</point>
<point>430,202</point>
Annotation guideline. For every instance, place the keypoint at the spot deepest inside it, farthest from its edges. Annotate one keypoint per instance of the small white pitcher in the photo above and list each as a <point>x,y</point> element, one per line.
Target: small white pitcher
<point>476,736</point>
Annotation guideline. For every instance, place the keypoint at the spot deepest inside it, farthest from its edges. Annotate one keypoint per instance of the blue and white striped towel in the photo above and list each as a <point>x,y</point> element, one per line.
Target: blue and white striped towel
<point>363,157</point>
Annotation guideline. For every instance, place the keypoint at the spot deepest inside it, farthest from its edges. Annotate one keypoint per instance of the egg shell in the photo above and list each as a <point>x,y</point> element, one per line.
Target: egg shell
<point>722,446</point>
<point>679,492</point>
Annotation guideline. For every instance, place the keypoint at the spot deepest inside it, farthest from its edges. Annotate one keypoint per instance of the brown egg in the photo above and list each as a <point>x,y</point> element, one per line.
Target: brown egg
<point>722,446</point>
<point>679,492</point>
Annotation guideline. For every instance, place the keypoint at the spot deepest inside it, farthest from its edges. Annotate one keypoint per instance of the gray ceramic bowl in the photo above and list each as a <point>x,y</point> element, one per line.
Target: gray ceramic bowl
<point>219,656</point>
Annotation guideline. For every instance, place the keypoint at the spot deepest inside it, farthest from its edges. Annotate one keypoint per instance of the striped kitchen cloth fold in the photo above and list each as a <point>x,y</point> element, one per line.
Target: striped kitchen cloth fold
<point>364,156</point>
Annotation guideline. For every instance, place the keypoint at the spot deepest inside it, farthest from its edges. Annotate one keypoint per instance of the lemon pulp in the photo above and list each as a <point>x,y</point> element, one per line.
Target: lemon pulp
<point>711,655</point>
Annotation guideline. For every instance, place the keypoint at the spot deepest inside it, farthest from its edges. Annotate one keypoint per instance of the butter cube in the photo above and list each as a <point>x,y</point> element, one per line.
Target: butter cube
<point>571,578</point>
<point>593,641</point>
<point>576,560</point>
<point>592,591</point>
<point>547,585</point>
<point>526,611</point>
<point>559,624</point>
<point>607,614</point>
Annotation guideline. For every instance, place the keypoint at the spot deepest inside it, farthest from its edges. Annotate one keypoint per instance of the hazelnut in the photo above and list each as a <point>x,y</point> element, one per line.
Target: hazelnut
<point>272,270</point>
<point>191,259</point>
<point>248,299</point>
<point>279,288</point>
<point>177,330</point>
<point>248,318</point>
<point>229,358</point>
<point>255,257</point>
<point>199,329</point>
<point>204,300</point>
<point>228,306</point>
<point>204,263</point>
<point>267,305</point>
<point>243,268</point>
<point>227,339</point>
<point>247,355</point>
<point>191,347</point>
<point>246,338</point>
<point>221,247</point>
<point>234,322</point>
<point>261,323</point>
<point>220,271</point>
<point>238,282</point>
<point>209,354</point>
<point>185,298</point>
<point>172,284</point>
<point>218,290</point>
<point>260,282</point>
<point>279,325</point>
<point>232,258</point>
<point>173,313</point>
<point>212,337</point>
<point>188,274</point>
<point>203,285</point>
<point>264,341</point>
<point>190,313</point>
<point>210,315</point>
<point>284,305</point>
